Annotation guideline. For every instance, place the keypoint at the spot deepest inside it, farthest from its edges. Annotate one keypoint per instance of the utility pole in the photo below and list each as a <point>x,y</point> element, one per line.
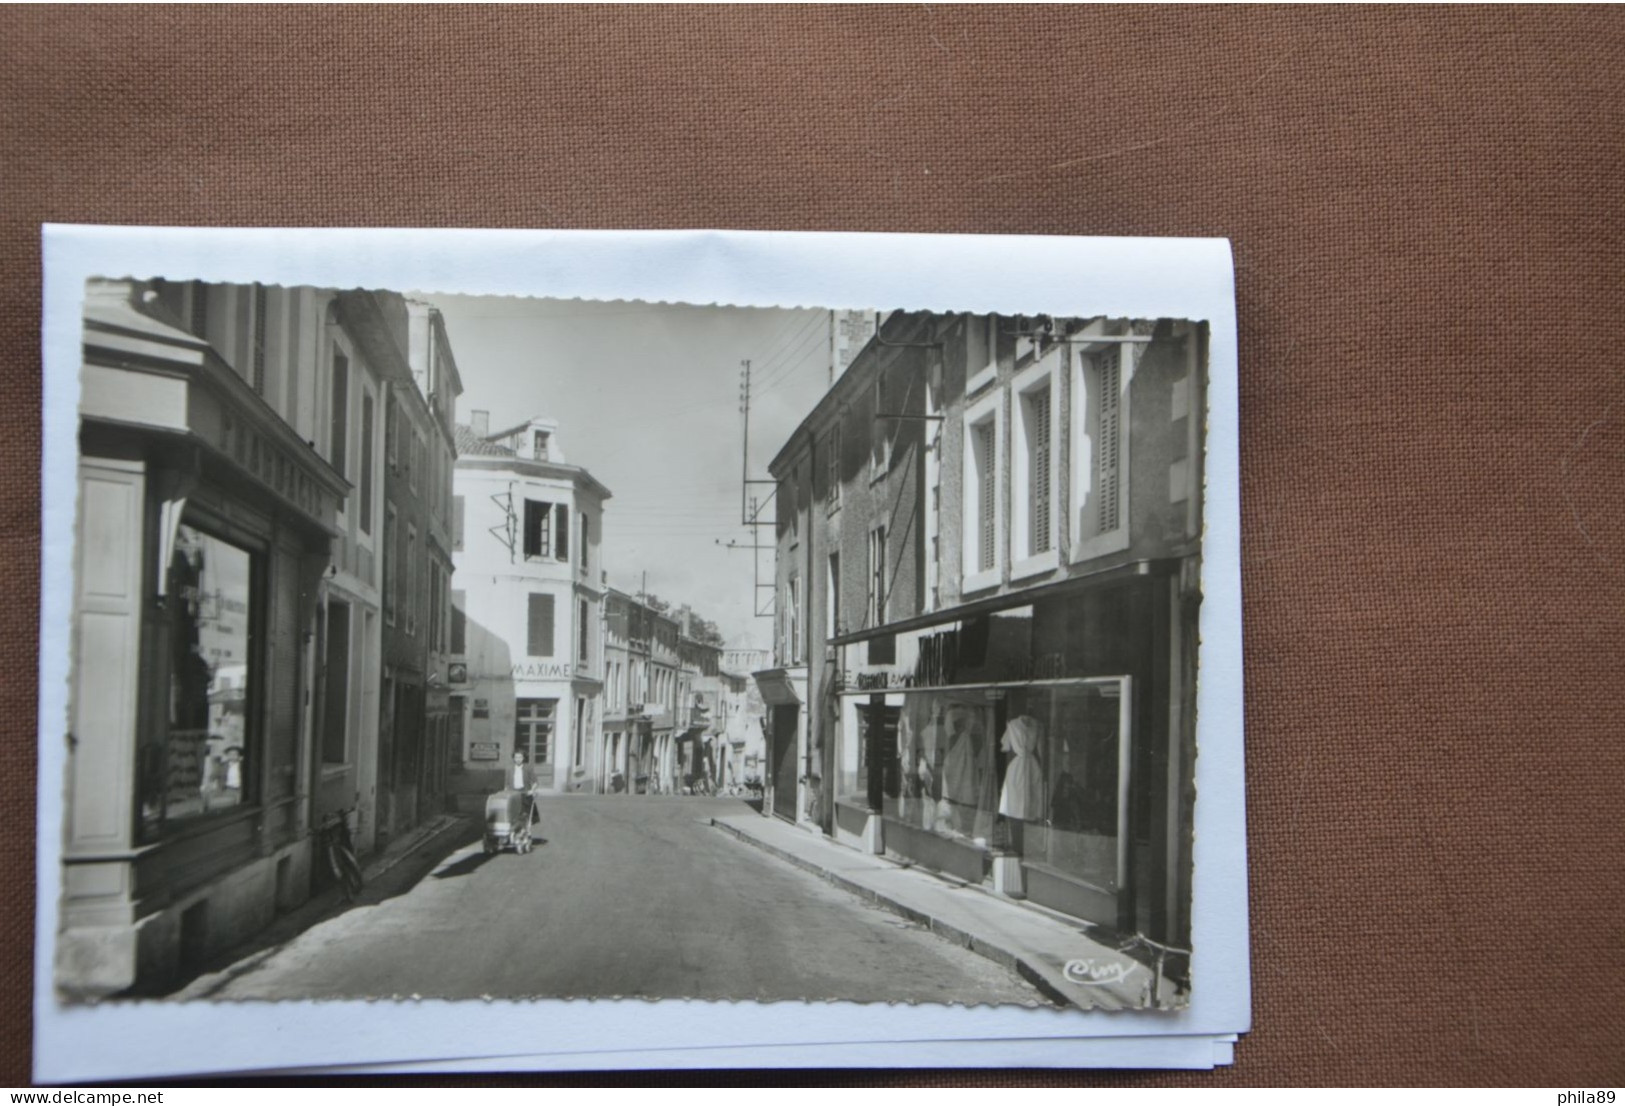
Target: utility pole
<point>750,510</point>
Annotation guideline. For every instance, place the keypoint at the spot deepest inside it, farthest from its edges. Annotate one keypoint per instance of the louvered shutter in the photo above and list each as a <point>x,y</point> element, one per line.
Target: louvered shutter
<point>541,625</point>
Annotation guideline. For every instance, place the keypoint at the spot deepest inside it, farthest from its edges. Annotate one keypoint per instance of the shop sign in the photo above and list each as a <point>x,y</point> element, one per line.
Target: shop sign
<point>990,649</point>
<point>484,750</point>
<point>541,671</point>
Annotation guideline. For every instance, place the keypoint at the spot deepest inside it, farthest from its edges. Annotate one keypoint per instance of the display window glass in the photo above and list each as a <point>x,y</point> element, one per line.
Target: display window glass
<point>202,761</point>
<point>1036,769</point>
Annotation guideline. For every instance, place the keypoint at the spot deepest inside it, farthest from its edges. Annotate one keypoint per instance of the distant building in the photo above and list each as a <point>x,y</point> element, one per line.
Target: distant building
<point>526,670</point>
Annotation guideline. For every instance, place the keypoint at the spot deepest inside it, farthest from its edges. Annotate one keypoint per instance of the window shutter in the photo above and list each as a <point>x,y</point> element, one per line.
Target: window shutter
<point>541,625</point>
<point>561,536</point>
<point>987,520</point>
<point>1110,440</point>
<point>1038,434</point>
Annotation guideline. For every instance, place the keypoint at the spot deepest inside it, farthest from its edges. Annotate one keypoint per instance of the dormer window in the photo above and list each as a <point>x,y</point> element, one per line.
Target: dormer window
<point>538,444</point>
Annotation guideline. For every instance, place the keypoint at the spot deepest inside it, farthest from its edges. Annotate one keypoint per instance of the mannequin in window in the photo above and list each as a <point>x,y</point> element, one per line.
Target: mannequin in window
<point>1022,799</point>
<point>920,755</point>
<point>967,776</point>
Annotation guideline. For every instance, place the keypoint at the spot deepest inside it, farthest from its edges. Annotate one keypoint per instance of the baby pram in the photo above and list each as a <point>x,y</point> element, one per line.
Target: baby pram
<point>507,821</point>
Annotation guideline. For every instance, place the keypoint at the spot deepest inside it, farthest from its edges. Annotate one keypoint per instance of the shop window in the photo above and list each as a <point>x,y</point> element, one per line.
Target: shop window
<point>533,732</point>
<point>1041,771</point>
<point>202,761</point>
<point>538,529</point>
<point>1101,452</point>
<point>576,761</point>
<point>539,637</point>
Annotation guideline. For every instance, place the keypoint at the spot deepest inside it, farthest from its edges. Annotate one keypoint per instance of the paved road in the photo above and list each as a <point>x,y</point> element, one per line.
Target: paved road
<point>632,896</point>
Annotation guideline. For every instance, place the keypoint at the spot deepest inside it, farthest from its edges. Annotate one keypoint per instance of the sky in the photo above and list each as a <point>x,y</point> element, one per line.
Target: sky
<point>647,399</point>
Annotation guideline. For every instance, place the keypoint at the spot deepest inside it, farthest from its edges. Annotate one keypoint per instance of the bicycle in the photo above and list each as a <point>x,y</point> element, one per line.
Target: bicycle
<point>340,854</point>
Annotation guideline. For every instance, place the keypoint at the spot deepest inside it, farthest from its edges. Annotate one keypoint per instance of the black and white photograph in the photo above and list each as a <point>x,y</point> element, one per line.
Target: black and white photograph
<point>452,646</point>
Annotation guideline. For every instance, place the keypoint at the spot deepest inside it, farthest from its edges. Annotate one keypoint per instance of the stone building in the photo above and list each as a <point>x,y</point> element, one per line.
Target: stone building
<point>989,541</point>
<point>526,671</point>
<point>227,612</point>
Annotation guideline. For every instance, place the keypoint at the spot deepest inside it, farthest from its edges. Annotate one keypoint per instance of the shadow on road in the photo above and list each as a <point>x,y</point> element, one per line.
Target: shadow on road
<point>473,862</point>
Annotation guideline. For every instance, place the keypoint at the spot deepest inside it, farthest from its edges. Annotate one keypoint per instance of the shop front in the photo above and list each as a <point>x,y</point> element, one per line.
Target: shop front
<point>1026,744</point>
<point>205,530</point>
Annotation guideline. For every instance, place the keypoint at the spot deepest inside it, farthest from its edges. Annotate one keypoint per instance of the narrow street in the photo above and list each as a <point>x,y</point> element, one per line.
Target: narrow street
<point>624,896</point>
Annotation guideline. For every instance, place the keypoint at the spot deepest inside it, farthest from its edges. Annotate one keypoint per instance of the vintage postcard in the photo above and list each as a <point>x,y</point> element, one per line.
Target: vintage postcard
<point>635,630</point>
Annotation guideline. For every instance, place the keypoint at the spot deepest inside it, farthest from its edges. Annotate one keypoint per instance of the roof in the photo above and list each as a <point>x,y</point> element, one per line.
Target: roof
<point>470,444</point>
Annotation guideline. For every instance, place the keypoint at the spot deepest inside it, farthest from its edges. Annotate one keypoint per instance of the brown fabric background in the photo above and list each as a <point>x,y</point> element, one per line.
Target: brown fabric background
<point>1426,211</point>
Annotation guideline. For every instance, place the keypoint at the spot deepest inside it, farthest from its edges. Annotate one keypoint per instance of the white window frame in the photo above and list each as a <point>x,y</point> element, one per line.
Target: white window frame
<point>1042,377</point>
<point>977,415</point>
<point>1086,546</point>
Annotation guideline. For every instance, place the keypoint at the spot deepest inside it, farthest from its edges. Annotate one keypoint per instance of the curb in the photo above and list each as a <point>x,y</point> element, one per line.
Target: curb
<point>1000,955</point>
<point>407,847</point>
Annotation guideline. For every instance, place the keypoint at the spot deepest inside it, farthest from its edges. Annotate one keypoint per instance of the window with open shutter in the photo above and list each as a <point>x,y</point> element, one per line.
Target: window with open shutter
<point>538,528</point>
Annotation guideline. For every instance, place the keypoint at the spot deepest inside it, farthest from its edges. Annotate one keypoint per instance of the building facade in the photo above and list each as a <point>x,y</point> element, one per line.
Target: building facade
<point>989,562</point>
<point>419,457</point>
<point>227,613</point>
<point>526,671</point>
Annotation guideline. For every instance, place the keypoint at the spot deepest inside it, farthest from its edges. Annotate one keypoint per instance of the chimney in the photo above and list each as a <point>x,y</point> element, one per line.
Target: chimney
<point>480,423</point>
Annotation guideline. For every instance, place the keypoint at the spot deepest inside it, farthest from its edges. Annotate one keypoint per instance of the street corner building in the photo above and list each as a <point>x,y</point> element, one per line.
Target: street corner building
<point>527,671</point>
<point>261,610</point>
<point>988,541</point>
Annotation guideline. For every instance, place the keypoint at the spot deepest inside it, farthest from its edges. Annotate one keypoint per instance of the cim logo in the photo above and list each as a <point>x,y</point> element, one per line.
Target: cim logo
<point>1090,971</point>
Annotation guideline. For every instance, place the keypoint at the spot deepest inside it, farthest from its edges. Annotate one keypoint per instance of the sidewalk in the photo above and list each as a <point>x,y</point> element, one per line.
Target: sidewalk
<point>1054,955</point>
<point>250,954</point>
